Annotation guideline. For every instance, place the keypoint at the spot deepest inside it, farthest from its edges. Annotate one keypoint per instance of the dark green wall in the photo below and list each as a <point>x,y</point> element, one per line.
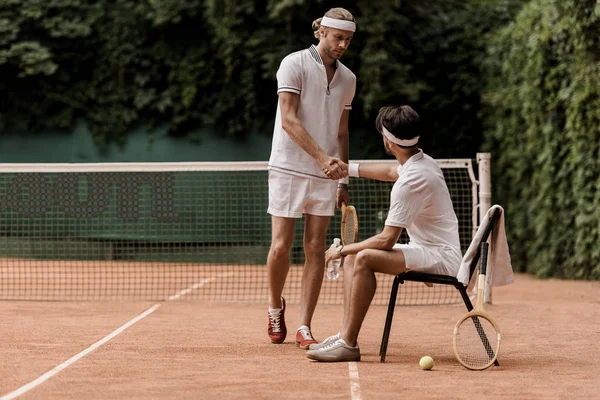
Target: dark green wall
<point>141,146</point>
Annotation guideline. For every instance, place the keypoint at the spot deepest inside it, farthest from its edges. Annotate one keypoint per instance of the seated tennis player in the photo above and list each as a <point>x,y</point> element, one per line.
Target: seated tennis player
<point>420,203</point>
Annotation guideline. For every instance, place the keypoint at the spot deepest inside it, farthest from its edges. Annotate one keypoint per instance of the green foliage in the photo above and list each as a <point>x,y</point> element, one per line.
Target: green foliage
<point>114,64</point>
<point>189,63</point>
<point>429,55</point>
<point>30,57</point>
<point>543,127</point>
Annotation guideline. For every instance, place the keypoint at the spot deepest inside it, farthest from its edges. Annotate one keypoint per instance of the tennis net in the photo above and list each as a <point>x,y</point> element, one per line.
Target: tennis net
<point>148,231</point>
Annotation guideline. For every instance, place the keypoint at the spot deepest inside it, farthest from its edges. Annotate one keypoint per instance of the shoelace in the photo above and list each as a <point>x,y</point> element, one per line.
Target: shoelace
<point>331,345</point>
<point>275,321</point>
<point>331,339</point>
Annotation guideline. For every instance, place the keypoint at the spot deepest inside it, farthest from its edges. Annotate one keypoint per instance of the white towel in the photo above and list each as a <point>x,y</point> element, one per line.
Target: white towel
<point>499,268</point>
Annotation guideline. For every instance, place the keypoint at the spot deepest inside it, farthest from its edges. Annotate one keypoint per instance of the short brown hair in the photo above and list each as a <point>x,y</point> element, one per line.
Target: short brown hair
<point>403,122</point>
<point>337,13</point>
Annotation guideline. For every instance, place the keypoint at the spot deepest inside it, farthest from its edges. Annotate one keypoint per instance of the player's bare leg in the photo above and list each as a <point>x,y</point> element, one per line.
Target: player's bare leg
<point>348,267</point>
<point>315,229</point>
<point>278,265</point>
<point>364,284</point>
<point>278,260</point>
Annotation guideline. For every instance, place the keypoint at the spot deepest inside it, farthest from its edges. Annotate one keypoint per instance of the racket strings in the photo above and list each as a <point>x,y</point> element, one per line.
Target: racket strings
<point>476,342</point>
<point>348,231</point>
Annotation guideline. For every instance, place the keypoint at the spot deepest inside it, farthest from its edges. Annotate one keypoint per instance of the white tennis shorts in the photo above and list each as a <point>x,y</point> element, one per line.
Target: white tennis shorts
<point>424,259</point>
<point>290,196</point>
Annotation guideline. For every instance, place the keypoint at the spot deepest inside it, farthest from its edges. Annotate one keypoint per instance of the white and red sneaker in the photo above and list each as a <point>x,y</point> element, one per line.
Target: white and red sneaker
<point>277,329</point>
<point>304,338</point>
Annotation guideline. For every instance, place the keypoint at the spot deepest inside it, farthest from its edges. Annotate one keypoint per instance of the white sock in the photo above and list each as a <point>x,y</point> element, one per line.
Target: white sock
<point>304,328</point>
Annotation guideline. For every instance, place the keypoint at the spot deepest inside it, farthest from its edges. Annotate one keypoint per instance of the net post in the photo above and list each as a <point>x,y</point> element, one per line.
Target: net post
<point>484,161</point>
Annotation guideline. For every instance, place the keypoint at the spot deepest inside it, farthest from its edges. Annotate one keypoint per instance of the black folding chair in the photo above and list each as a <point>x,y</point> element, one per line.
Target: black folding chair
<point>437,279</point>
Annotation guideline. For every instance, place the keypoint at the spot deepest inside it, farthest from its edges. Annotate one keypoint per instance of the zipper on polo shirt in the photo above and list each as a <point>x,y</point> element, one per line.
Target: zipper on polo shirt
<point>328,92</point>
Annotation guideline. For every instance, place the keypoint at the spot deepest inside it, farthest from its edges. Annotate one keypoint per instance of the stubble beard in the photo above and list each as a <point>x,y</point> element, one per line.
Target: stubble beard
<point>333,54</point>
<point>388,150</point>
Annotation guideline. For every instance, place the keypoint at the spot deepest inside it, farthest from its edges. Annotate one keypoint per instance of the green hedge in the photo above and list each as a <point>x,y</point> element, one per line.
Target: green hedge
<point>187,64</point>
<point>543,127</point>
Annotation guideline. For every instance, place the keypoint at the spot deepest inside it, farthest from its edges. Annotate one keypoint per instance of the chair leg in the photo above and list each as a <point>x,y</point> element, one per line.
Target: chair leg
<point>388,320</point>
<point>465,297</point>
<point>484,339</point>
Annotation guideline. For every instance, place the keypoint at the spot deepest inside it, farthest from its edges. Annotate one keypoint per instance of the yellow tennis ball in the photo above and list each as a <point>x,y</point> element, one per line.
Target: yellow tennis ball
<point>426,362</point>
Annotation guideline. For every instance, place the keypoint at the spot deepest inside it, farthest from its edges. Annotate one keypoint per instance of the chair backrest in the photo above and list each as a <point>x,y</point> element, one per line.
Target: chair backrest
<point>486,234</point>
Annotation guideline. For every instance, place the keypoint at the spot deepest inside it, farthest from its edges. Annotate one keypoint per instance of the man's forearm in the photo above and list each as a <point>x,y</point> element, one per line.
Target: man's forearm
<point>302,138</point>
<point>343,143</point>
<point>380,172</point>
<point>378,242</point>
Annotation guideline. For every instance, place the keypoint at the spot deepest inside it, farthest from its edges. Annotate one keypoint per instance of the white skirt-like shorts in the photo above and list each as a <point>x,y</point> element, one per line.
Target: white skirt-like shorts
<point>428,259</point>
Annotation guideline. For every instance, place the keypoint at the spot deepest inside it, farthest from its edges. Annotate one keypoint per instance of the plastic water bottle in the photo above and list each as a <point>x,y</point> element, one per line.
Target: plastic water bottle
<point>333,267</point>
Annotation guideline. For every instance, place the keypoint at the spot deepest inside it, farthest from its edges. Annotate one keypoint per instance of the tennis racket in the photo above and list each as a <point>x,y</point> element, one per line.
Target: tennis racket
<point>349,225</point>
<point>476,336</point>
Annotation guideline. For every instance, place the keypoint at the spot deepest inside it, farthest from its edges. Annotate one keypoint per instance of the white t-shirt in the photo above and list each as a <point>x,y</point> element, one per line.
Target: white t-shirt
<point>320,110</point>
<point>420,202</point>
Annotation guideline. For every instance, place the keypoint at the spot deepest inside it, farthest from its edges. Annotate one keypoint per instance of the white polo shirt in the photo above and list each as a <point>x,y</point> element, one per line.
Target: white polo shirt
<point>420,202</point>
<point>320,110</point>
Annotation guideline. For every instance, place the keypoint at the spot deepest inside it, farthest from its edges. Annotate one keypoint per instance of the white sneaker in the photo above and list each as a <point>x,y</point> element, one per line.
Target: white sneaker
<point>337,351</point>
<point>325,342</point>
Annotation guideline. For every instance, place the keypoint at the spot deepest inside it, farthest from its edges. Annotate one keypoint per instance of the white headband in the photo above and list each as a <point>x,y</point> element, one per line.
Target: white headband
<point>400,142</point>
<point>338,24</point>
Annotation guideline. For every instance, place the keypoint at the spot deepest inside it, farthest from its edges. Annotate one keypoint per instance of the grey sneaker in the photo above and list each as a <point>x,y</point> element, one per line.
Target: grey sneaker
<point>330,339</point>
<point>337,351</point>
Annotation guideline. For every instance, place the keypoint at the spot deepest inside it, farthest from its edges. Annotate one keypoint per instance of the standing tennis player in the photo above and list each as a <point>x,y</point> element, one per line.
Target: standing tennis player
<point>310,146</point>
<point>420,203</point>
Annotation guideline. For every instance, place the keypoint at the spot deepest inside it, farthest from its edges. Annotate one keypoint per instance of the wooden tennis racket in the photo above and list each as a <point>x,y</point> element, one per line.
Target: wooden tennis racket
<point>476,336</point>
<point>349,225</point>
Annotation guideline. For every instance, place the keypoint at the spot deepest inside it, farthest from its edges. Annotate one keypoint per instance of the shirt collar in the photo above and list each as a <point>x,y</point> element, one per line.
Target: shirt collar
<point>415,157</point>
<point>315,54</point>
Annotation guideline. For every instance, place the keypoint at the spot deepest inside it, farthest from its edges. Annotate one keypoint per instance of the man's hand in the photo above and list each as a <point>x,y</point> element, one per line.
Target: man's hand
<point>342,192</point>
<point>341,164</point>
<point>342,196</point>
<point>332,254</point>
<point>334,168</point>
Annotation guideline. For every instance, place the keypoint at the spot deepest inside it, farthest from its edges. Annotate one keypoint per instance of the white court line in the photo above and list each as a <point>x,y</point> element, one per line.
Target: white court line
<point>25,388</point>
<point>354,381</point>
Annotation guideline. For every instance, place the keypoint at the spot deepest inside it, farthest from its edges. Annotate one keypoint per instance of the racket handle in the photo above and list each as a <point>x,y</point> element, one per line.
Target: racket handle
<point>484,257</point>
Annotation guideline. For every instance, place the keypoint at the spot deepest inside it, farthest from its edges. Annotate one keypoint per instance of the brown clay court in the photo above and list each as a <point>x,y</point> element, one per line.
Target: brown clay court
<point>202,349</point>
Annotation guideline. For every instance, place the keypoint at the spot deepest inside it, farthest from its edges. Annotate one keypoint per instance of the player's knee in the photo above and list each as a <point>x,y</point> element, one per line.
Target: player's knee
<point>362,262</point>
<point>280,250</point>
<point>314,247</point>
<point>349,260</point>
